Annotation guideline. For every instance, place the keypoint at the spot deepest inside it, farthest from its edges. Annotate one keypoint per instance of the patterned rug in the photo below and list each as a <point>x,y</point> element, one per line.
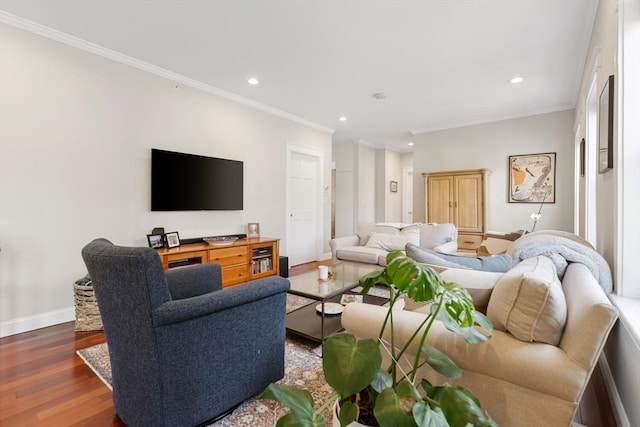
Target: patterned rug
<point>303,368</point>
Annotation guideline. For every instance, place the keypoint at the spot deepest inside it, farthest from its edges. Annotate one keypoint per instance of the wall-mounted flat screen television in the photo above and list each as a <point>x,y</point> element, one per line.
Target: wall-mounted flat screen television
<point>188,182</point>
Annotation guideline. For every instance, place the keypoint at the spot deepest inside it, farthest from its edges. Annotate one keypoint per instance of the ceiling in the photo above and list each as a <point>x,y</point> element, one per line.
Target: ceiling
<point>438,64</point>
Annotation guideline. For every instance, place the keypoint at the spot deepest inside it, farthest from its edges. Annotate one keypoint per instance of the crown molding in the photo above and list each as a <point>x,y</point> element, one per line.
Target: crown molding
<point>87,46</point>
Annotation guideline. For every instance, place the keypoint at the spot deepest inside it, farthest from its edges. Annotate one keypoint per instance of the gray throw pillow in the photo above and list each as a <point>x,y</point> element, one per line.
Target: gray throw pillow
<point>494,263</point>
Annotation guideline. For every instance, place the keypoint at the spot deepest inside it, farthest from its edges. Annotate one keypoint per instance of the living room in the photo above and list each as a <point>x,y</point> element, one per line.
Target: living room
<point>79,126</point>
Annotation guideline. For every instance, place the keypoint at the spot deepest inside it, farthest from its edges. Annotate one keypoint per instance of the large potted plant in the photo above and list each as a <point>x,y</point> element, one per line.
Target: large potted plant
<point>372,395</point>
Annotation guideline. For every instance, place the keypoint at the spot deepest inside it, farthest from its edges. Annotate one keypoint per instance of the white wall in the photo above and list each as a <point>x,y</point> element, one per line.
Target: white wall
<point>75,145</point>
<point>616,191</point>
<point>488,146</point>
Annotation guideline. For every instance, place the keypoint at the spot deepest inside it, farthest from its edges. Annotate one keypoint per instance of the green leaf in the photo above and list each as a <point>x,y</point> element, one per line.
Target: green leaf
<point>382,381</point>
<point>440,362</point>
<point>293,420</point>
<point>425,416</point>
<point>389,412</point>
<point>462,408</point>
<point>350,364</point>
<point>299,401</point>
<point>348,413</point>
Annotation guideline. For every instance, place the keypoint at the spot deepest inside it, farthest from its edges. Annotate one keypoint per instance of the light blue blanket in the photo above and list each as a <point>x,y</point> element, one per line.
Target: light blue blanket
<point>556,247</point>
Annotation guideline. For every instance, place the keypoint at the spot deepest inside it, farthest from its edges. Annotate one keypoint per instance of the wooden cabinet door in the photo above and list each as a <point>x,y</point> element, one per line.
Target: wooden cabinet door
<point>440,200</point>
<point>468,209</point>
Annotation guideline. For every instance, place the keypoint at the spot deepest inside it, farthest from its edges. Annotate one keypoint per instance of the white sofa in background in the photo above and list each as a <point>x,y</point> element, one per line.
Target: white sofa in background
<point>372,243</point>
<point>547,340</point>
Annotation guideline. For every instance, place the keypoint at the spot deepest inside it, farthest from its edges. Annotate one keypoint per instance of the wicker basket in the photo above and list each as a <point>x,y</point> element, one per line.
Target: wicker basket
<point>87,313</point>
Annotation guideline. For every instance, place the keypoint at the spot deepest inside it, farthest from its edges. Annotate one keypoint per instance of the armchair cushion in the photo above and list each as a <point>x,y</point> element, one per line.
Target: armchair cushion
<point>529,303</point>
<point>193,281</point>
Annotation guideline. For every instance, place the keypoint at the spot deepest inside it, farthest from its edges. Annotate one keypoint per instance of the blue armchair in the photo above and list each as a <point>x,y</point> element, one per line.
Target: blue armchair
<point>183,350</point>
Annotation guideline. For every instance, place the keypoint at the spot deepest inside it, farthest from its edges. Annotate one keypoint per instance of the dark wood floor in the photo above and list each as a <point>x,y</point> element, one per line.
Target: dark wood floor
<point>44,383</point>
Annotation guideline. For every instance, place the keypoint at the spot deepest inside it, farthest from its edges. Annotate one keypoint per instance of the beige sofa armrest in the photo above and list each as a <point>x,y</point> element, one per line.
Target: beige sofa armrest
<point>590,316</point>
<point>342,242</point>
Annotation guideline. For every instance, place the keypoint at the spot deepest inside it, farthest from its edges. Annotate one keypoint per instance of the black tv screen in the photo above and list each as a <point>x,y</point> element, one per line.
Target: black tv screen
<point>187,182</point>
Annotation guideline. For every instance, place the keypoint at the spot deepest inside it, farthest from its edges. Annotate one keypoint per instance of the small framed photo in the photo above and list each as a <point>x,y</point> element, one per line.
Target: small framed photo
<point>393,186</point>
<point>155,241</point>
<point>172,239</point>
<point>253,229</point>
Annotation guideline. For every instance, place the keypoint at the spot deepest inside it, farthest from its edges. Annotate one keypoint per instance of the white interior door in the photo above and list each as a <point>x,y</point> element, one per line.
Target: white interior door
<point>407,196</point>
<point>304,207</point>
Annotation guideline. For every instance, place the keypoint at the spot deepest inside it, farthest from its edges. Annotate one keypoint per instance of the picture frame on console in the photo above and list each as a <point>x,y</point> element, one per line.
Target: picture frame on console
<point>155,241</point>
<point>172,239</point>
<point>253,229</point>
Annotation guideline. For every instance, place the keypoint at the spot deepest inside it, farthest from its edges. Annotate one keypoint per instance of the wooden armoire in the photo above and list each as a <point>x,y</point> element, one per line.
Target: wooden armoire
<point>458,197</point>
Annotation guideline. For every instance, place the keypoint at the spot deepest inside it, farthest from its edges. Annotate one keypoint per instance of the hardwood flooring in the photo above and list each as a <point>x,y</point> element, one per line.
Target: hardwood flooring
<point>44,383</point>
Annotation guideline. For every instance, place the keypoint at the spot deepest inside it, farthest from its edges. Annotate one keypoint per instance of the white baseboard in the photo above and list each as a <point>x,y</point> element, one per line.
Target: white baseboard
<point>616,402</point>
<point>30,323</point>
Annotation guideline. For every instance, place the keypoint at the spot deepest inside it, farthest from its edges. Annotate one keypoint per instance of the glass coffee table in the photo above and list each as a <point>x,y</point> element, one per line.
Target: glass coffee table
<point>318,320</point>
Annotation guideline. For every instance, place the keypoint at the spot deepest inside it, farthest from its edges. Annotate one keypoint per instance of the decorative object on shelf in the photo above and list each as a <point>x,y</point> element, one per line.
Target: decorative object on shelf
<point>155,241</point>
<point>353,367</point>
<point>393,186</point>
<point>253,229</point>
<point>220,241</point>
<point>532,178</point>
<point>172,239</point>
<point>157,230</point>
<point>605,127</point>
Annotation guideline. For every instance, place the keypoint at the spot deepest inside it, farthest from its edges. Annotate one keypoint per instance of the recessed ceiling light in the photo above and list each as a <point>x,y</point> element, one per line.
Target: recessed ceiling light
<point>253,81</point>
<point>342,118</point>
<point>517,79</point>
<point>410,144</point>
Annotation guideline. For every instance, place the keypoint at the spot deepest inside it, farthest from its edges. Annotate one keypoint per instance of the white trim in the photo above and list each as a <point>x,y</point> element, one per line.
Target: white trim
<point>617,407</point>
<point>78,43</point>
<point>30,323</point>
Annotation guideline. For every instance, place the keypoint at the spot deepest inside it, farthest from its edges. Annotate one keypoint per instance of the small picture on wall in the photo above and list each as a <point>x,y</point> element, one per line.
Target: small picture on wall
<point>532,178</point>
<point>253,229</point>
<point>155,241</point>
<point>172,239</point>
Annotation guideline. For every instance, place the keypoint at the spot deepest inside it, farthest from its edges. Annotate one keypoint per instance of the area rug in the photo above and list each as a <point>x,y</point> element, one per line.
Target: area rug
<point>303,368</point>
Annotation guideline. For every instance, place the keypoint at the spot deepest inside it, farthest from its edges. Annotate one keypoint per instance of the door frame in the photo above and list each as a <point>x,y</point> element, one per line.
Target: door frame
<point>318,217</point>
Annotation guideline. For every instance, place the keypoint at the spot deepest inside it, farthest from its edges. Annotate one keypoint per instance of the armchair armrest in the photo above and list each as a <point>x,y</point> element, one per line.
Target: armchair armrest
<point>203,305</point>
<point>342,242</point>
<point>186,282</point>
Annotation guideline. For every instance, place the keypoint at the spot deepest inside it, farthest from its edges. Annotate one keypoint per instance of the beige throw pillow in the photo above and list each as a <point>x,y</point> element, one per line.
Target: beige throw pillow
<point>528,302</point>
<point>394,241</point>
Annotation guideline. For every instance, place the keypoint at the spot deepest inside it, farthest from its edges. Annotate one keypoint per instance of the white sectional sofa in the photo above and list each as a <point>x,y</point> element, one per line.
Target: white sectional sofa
<point>372,243</point>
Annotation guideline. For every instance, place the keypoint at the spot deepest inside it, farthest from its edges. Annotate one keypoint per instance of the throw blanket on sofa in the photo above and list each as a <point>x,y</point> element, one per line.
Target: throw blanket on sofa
<point>566,249</point>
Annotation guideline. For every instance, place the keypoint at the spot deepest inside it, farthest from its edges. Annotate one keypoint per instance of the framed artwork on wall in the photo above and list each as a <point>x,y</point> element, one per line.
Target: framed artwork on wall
<point>532,178</point>
<point>605,127</point>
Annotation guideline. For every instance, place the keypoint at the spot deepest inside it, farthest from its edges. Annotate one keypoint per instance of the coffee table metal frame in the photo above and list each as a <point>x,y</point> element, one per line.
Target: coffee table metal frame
<point>343,278</point>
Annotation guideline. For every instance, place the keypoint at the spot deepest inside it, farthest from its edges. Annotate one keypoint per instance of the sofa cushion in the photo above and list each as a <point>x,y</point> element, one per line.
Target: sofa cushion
<point>495,263</point>
<point>393,241</point>
<point>479,284</point>
<point>360,254</point>
<point>528,302</point>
